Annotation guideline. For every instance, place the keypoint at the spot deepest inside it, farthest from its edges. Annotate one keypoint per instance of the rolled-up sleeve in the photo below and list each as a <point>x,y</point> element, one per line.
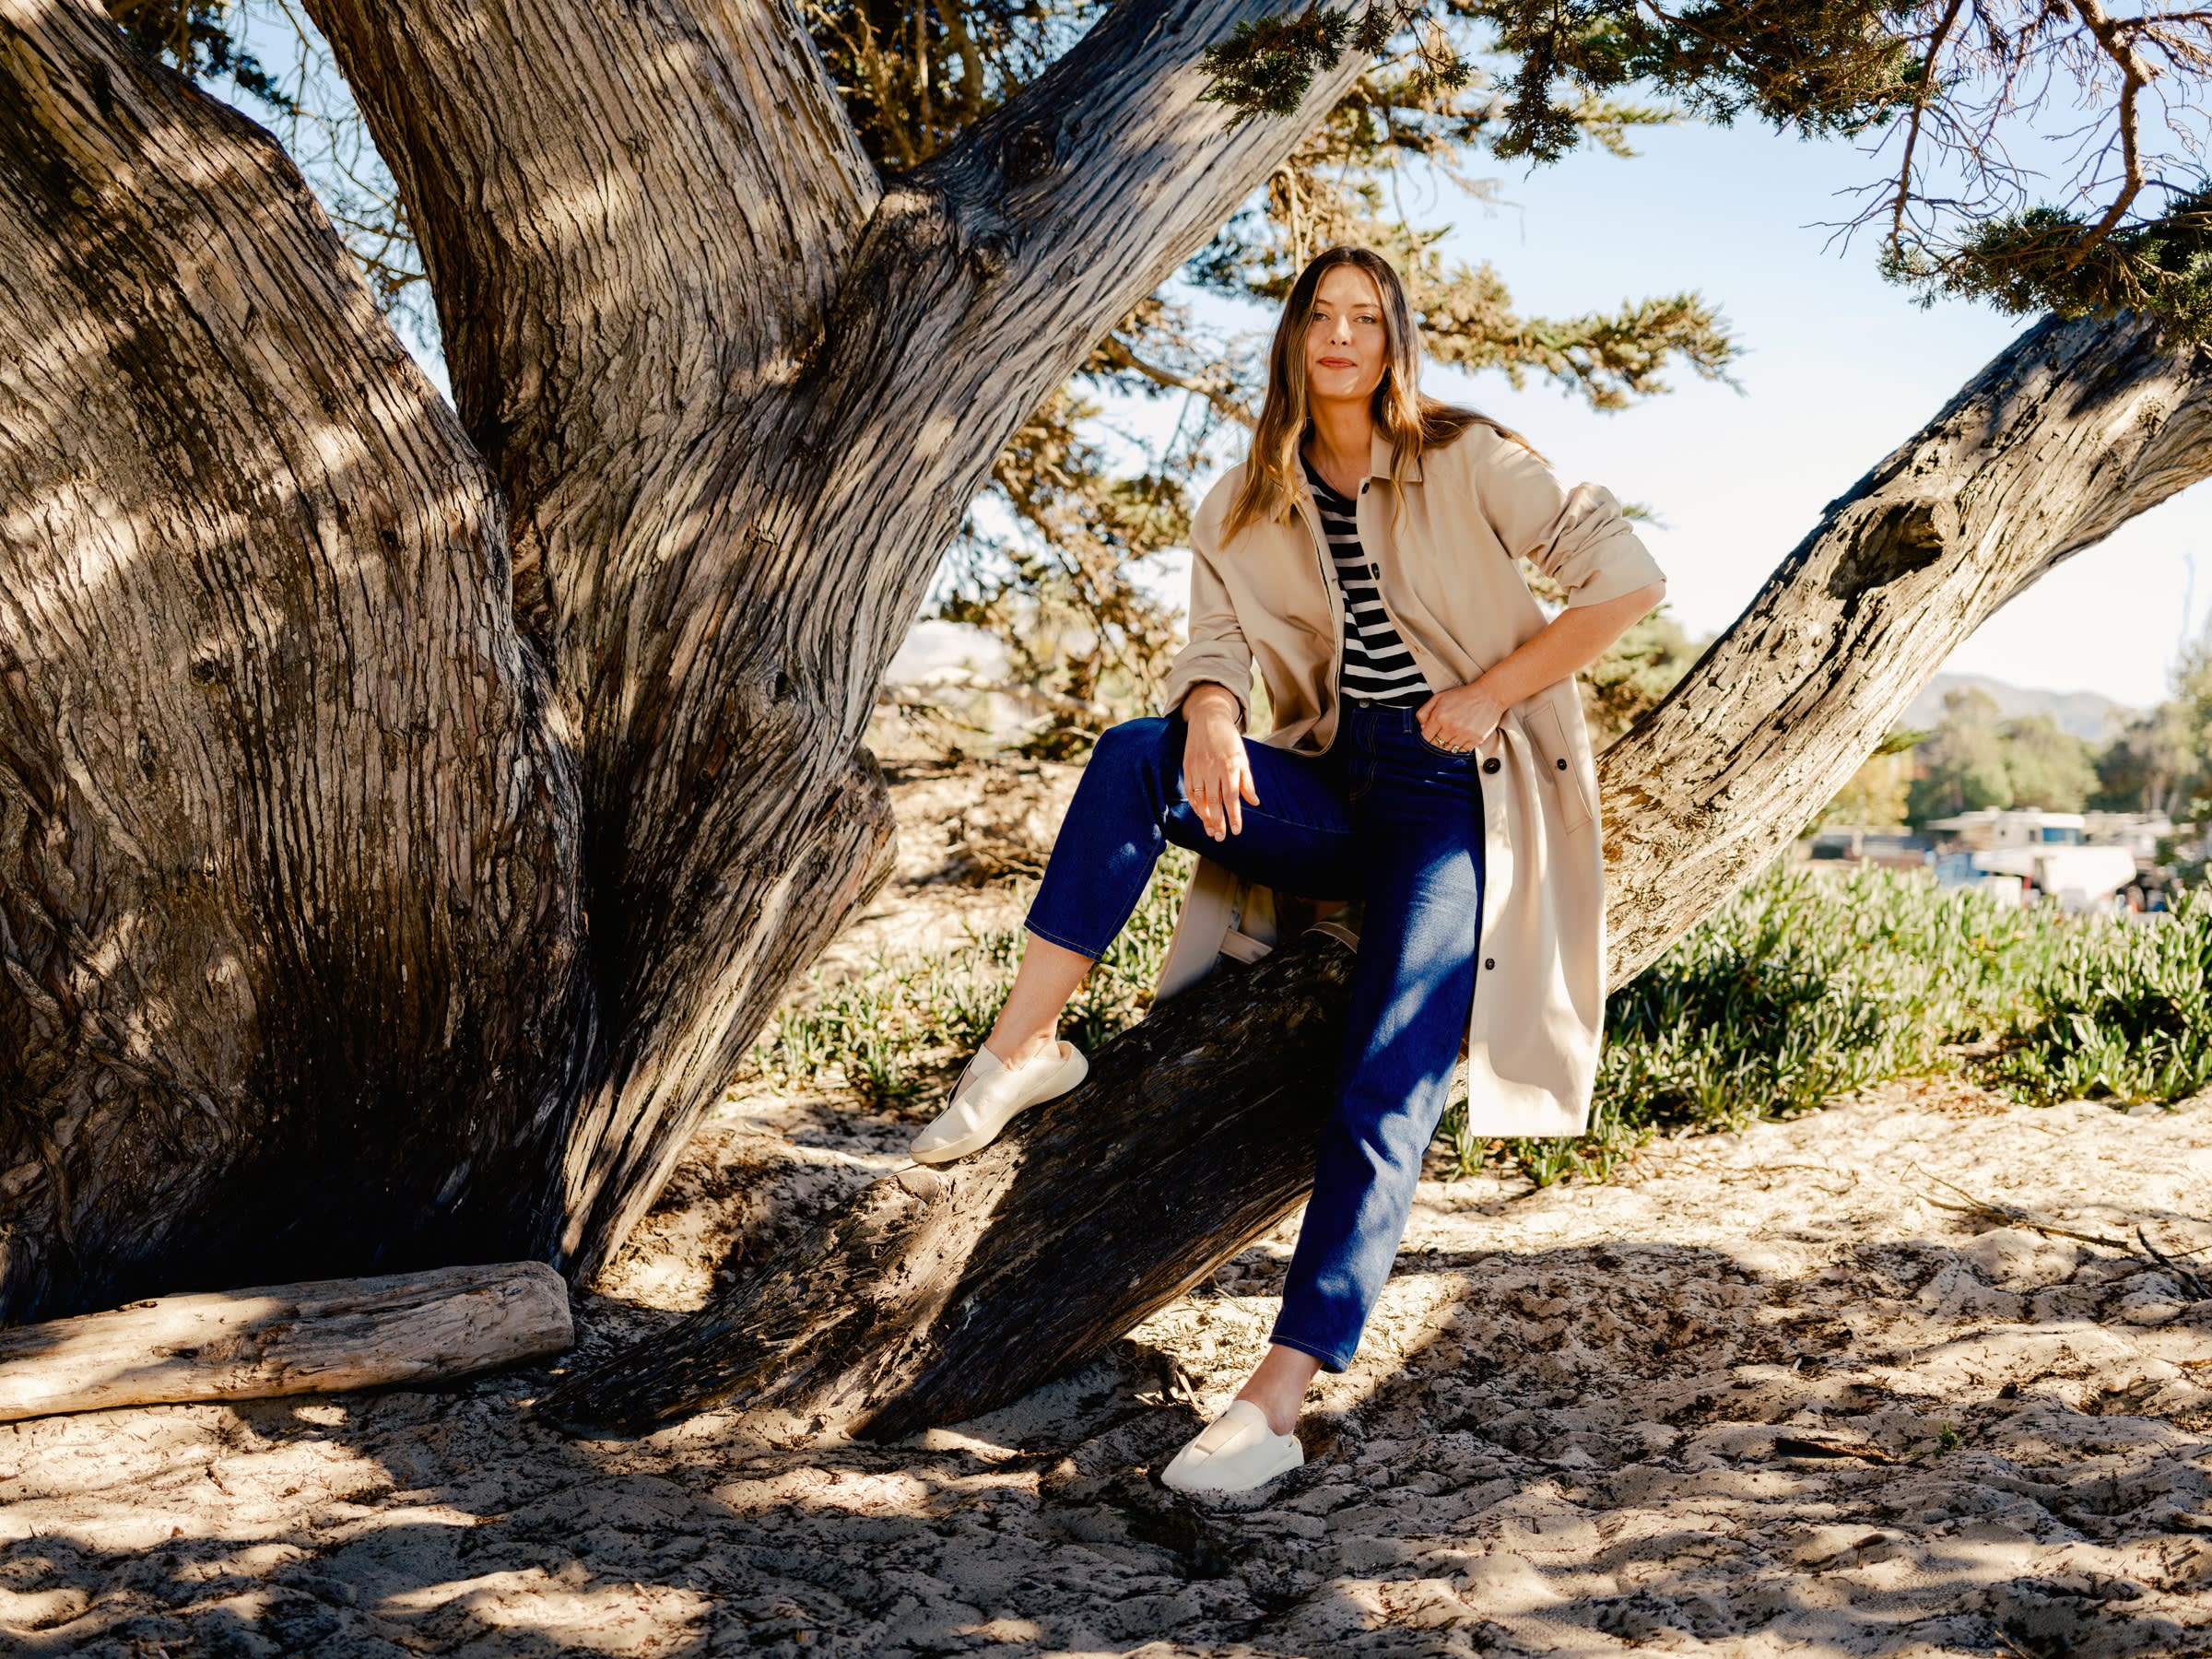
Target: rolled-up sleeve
<point>1218,652</point>
<point>1578,536</point>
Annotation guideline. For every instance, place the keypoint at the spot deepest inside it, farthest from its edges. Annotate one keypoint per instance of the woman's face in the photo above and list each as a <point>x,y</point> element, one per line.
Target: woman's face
<point>1347,346</point>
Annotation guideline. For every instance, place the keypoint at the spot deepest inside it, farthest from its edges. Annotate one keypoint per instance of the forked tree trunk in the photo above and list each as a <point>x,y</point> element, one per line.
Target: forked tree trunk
<point>932,1296</point>
<point>405,823</point>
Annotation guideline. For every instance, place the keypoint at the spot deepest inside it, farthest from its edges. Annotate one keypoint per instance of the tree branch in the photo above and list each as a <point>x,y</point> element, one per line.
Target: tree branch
<point>2135,75</point>
<point>1218,391</point>
<point>991,272</point>
<point>2069,432</point>
<point>633,218</point>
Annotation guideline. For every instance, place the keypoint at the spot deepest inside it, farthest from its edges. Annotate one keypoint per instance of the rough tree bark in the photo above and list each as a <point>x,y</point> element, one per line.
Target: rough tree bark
<point>935,1295</point>
<point>404,824</point>
<point>289,915</point>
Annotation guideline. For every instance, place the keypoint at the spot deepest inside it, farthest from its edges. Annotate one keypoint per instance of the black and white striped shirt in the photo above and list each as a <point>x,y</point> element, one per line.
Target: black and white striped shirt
<point>1377,665</point>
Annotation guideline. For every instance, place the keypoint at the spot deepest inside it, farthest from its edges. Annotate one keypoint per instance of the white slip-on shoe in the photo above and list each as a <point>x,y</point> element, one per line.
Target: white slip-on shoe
<point>988,1095</point>
<point>1234,1453</point>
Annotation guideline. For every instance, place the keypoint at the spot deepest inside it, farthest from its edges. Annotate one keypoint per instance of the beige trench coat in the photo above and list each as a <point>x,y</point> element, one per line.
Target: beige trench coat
<point>1448,578</point>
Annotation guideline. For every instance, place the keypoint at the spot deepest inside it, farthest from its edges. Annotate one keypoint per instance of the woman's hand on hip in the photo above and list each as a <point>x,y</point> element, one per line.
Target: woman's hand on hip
<point>1463,718</point>
<point>1217,778</point>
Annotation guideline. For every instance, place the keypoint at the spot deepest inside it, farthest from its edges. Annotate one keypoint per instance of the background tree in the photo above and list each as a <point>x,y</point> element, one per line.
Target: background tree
<point>2192,701</point>
<point>1879,794</point>
<point>2148,766</point>
<point>408,814</point>
<point>1962,766</point>
<point>1978,758</point>
<point>2161,761</point>
<point>2047,766</point>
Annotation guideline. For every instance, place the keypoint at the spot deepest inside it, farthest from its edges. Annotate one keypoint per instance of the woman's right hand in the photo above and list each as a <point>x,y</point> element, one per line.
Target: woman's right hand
<point>1217,778</point>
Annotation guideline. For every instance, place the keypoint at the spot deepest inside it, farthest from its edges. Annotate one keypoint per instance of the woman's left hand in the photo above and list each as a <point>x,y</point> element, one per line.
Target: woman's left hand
<point>1463,718</point>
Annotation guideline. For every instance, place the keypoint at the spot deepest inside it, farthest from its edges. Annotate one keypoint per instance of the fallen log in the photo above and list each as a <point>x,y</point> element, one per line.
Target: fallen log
<point>936,1294</point>
<point>318,1337</point>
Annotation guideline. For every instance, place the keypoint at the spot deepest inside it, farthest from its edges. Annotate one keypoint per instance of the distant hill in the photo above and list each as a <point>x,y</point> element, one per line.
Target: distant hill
<point>2087,714</point>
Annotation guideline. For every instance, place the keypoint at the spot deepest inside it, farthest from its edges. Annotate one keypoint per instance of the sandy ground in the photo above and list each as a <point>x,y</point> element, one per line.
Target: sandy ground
<point>1763,1394</point>
<point>972,840</point>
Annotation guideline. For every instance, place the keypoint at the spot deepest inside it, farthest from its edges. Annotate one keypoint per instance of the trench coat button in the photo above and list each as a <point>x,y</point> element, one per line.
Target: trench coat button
<point>1491,764</point>
<point>1561,763</point>
<point>1489,961</point>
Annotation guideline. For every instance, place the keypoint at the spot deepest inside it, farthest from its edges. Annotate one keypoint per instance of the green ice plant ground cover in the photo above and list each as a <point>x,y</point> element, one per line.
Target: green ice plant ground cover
<point>1809,981</point>
<point>2119,1012</point>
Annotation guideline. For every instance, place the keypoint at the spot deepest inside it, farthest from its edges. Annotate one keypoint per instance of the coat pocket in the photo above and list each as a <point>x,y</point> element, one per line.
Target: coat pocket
<point>1548,733</point>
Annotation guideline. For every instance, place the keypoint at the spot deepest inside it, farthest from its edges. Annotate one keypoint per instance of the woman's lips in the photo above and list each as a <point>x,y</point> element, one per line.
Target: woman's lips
<point>1338,363</point>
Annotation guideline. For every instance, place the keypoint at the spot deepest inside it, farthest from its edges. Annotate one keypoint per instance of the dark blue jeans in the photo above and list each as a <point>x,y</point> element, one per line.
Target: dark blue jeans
<point>1385,816</point>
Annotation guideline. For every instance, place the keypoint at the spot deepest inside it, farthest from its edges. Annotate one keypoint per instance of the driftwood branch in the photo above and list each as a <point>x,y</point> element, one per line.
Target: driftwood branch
<point>2013,1216</point>
<point>320,1337</point>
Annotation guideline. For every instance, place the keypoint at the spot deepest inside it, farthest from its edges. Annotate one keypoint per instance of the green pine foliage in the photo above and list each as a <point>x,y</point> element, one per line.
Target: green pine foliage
<point>2045,259</point>
<point>200,38</point>
<point>1936,88</point>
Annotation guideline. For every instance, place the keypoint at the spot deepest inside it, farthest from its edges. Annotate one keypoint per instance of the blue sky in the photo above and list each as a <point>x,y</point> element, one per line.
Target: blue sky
<point>1838,368</point>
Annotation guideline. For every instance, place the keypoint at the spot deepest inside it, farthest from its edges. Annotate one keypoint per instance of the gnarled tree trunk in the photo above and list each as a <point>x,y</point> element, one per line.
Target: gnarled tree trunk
<point>405,823</point>
<point>291,930</point>
<point>935,1296</point>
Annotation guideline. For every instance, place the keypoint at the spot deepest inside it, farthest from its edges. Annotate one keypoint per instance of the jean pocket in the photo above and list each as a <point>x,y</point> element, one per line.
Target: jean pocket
<point>1439,749</point>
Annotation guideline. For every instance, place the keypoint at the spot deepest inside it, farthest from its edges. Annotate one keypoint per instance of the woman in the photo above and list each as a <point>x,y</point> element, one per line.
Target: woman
<point>1429,760</point>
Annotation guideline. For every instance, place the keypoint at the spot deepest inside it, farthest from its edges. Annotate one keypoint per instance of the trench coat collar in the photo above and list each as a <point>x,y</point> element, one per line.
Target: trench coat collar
<point>1378,460</point>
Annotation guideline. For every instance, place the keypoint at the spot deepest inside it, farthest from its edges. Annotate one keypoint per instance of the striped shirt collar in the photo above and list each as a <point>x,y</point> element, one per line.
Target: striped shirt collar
<point>1378,459</point>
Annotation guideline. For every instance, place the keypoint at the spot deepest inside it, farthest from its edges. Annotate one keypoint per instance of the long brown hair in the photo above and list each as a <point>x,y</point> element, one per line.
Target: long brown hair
<point>1411,420</point>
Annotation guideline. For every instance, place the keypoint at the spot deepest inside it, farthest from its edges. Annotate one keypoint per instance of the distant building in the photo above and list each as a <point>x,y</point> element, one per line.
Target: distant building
<point>1854,844</point>
<point>2140,833</point>
<point>1987,829</point>
<point>2011,852</point>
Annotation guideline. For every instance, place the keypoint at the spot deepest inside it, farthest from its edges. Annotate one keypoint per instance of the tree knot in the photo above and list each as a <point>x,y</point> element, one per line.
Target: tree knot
<point>911,223</point>
<point>1028,154</point>
<point>1891,542</point>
